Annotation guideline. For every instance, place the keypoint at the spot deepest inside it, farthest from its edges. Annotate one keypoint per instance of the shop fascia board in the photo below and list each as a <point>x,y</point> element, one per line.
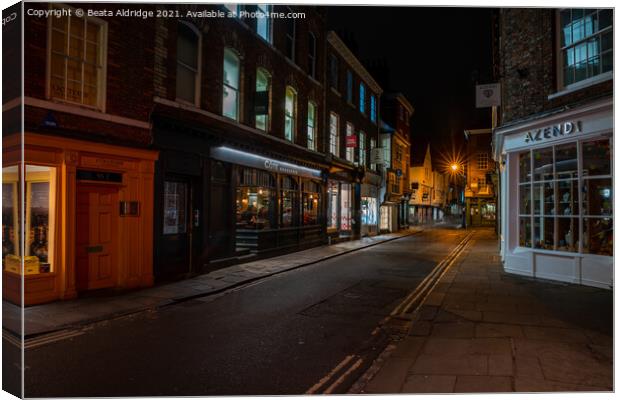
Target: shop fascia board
<point>588,111</point>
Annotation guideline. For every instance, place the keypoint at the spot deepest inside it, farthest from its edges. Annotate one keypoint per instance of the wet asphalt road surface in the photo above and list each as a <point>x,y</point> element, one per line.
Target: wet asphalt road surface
<point>280,335</point>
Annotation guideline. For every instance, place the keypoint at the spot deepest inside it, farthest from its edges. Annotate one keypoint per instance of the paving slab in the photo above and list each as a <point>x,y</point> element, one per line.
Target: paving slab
<point>429,384</point>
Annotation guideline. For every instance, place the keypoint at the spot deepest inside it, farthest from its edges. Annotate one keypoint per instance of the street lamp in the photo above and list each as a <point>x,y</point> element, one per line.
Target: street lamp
<point>454,167</point>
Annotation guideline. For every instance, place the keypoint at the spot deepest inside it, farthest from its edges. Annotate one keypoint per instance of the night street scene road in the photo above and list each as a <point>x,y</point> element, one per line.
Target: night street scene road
<point>212,199</point>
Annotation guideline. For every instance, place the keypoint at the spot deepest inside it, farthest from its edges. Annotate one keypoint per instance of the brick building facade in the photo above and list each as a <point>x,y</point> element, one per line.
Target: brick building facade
<point>554,143</point>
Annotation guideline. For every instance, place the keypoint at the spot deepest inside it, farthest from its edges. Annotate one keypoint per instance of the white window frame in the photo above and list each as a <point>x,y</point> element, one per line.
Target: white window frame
<point>311,134</point>
<point>103,49</point>
<point>593,80</point>
<point>265,8</point>
<point>362,148</point>
<point>198,72</point>
<point>269,89</point>
<point>350,151</point>
<point>238,90</point>
<point>334,136</point>
<point>482,161</point>
<point>292,115</point>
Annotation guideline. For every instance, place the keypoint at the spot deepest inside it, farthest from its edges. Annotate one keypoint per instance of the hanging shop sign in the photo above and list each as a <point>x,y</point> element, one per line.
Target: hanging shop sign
<point>488,95</point>
<point>553,131</point>
<point>239,157</point>
<point>352,141</point>
<point>376,155</point>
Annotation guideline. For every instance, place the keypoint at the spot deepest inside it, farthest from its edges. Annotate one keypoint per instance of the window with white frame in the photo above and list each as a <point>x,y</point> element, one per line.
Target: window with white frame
<point>263,21</point>
<point>230,93</point>
<point>290,114</point>
<point>311,54</point>
<point>334,137</point>
<point>373,145</point>
<point>311,125</point>
<point>77,57</point>
<point>373,108</point>
<point>362,148</point>
<point>586,43</point>
<point>362,98</point>
<point>290,37</point>
<point>262,103</point>
<point>350,150</point>
<point>566,197</point>
<point>483,161</point>
<point>387,149</point>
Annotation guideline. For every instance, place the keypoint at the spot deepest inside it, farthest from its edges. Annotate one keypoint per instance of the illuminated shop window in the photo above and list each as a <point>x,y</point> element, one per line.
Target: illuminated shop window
<point>345,206</point>
<point>289,202</point>
<point>188,64</point>
<point>369,211</point>
<point>552,181</point>
<point>40,220</point>
<point>311,202</point>
<point>76,52</point>
<point>230,93</point>
<point>255,203</point>
<point>262,99</point>
<point>586,43</point>
<point>311,125</point>
<point>332,204</point>
<point>334,137</point>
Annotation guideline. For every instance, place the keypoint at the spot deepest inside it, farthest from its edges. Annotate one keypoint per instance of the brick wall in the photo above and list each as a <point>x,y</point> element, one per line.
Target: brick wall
<point>528,57</point>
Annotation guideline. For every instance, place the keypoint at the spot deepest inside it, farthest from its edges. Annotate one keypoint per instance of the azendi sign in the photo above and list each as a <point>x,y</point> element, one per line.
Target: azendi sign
<point>561,129</point>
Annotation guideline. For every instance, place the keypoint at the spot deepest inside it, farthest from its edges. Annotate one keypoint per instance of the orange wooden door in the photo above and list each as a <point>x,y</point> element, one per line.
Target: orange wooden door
<point>97,235</point>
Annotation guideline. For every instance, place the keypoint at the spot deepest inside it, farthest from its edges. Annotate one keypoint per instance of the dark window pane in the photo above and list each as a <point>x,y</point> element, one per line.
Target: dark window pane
<point>568,198</point>
<point>543,233</point>
<point>568,234</point>
<point>525,167</point>
<point>598,235</point>
<point>566,161</point>
<point>581,71</point>
<point>525,231</point>
<point>525,192</point>
<point>543,164</point>
<point>607,41</point>
<point>544,199</point>
<point>605,18</point>
<point>596,158</point>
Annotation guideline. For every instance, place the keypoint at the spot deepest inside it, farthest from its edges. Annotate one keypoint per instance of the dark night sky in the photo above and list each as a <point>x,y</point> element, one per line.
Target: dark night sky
<point>434,56</point>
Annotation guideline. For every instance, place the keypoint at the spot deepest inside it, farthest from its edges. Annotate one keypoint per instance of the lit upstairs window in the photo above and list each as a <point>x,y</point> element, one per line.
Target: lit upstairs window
<point>263,21</point>
<point>230,93</point>
<point>362,98</point>
<point>290,114</point>
<point>586,44</point>
<point>77,60</point>
<point>373,108</point>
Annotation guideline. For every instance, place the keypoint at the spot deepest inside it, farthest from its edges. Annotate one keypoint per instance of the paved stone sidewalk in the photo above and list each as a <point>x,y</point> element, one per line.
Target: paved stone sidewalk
<point>482,330</point>
<point>75,313</point>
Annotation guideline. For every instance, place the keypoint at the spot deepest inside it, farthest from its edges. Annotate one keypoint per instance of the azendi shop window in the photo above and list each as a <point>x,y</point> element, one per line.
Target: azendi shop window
<point>255,199</point>
<point>40,219</point>
<point>566,197</point>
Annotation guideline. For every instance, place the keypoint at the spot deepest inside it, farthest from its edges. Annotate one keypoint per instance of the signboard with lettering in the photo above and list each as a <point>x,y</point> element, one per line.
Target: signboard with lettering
<point>548,132</point>
<point>239,157</point>
<point>376,156</point>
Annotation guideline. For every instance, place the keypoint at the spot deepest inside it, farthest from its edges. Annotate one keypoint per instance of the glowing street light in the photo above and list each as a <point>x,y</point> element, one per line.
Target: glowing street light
<point>454,167</point>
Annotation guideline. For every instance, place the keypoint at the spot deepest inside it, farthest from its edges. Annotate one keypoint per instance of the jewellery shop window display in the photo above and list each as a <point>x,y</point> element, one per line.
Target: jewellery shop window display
<point>255,199</point>
<point>566,198</point>
<point>40,219</point>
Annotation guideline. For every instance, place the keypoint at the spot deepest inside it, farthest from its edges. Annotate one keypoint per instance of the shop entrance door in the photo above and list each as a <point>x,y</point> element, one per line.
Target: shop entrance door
<point>96,236</point>
<point>179,246</point>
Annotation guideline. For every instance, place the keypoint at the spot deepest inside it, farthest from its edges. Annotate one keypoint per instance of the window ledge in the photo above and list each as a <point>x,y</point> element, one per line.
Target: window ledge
<point>337,93</point>
<point>582,85</point>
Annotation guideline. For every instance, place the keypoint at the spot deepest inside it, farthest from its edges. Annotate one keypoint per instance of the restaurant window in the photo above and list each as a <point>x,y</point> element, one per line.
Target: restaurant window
<point>255,199</point>
<point>349,86</point>
<point>586,43</point>
<point>311,202</point>
<point>550,188</point>
<point>311,54</point>
<point>369,211</point>
<point>362,98</point>
<point>373,108</point>
<point>40,219</point>
<point>290,37</point>
<point>362,147</point>
<point>262,99</point>
<point>311,125</point>
<point>290,114</point>
<point>230,94</point>
<point>332,204</point>
<point>334,139</point>
<point>77,60</point>
<point>333,71</point>
<point>289,202</point>
<point>175,207</point>
<point>263,21</point>
<point>350,149</point>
